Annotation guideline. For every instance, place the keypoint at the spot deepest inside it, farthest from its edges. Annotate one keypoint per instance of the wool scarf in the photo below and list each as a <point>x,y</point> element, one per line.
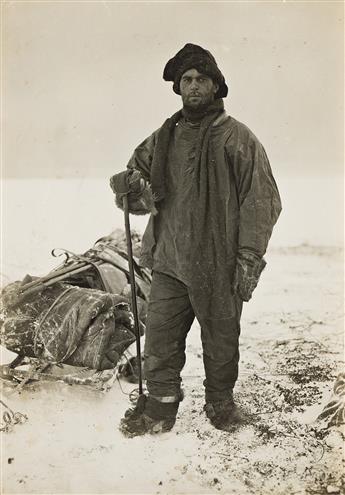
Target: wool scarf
<point>207,249</point>
<point>160,157</point>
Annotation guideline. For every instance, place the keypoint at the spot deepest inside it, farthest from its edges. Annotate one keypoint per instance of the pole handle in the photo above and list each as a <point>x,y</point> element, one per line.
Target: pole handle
<point>133,290</point>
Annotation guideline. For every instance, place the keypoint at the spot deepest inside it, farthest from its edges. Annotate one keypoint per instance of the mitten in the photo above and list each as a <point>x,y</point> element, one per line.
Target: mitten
<point>129,181</point>
<point>247,274</point>
<point>138,191</point>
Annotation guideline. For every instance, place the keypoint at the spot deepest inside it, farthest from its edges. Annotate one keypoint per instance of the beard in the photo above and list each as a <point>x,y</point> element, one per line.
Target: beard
<point>200,104</point>
<point>196,110</point>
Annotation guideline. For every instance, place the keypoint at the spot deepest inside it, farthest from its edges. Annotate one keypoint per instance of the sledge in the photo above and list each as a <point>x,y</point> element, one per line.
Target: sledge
<point>75,324</point>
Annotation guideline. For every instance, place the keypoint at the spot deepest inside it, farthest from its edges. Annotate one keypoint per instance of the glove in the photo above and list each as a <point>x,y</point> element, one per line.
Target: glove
<point>129,181</point>
<point>247,274</point>
<point>132,183</point>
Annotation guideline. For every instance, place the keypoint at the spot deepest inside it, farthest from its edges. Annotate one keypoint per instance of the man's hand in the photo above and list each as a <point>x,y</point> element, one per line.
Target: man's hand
<point>136,182</point>
<point>247,274</point>
<point>129,181</point>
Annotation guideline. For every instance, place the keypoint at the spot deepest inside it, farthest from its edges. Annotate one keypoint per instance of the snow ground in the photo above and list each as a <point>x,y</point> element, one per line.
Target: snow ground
<point>291,352</point>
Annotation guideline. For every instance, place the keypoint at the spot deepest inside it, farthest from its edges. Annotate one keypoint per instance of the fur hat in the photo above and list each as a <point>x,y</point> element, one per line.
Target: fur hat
<point>194,57</point>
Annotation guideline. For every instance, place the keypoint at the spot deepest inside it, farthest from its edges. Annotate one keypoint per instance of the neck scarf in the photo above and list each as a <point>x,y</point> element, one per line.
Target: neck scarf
<point>160,157</point>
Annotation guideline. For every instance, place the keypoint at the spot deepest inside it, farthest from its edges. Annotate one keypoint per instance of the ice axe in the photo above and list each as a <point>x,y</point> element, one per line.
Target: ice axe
<point>133,295</point>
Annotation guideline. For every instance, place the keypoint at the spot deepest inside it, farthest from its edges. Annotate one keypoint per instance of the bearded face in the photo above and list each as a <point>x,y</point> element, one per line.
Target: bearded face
<point>197,90</point>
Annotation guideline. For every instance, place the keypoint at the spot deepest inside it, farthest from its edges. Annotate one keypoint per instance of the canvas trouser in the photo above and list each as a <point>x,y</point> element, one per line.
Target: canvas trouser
<point>171,312</point>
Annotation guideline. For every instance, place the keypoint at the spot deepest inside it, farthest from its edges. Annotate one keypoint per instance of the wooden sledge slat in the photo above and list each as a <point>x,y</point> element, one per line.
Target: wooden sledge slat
<point>96,379</point>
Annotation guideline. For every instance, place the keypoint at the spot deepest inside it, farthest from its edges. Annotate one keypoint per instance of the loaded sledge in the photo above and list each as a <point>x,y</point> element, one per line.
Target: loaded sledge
<point>75,323</point>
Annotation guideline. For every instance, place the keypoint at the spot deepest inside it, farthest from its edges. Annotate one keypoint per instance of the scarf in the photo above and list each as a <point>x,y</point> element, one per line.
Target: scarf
<point>160,157</point>
<point>208,241</point>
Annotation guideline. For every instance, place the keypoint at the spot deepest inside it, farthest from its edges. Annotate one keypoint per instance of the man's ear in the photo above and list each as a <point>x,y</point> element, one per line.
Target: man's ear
<point>215,88</point>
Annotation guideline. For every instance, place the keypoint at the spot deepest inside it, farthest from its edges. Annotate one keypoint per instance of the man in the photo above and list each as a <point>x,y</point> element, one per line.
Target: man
<point>208,184</point>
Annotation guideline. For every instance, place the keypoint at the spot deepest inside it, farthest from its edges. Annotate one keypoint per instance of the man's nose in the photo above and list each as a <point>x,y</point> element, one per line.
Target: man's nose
<point>194,84</point>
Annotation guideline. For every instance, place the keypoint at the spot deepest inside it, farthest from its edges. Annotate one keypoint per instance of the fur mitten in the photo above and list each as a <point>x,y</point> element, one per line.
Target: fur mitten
<point>138,191</point>
<point>247,274</point>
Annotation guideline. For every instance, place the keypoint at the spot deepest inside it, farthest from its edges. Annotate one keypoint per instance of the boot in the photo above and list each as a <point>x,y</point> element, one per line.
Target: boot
<point>148,416</point>
<point>225,415</point>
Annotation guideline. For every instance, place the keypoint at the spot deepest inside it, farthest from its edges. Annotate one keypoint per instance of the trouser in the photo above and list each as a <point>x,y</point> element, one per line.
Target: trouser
<point>171,312</point>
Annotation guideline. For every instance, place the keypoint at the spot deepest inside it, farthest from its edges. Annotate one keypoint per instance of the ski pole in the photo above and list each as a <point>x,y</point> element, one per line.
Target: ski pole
<point>133,290</point>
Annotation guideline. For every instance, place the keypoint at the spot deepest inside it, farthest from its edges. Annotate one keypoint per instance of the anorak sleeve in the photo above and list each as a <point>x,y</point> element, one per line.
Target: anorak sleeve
<point>258,196</point>
<point>139,202</point>
<point>142,157</point>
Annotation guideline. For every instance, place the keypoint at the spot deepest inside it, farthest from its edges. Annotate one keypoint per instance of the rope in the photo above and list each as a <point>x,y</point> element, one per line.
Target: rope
<point>133,395</point>
<point>10,418</point>
<point>44,317</point>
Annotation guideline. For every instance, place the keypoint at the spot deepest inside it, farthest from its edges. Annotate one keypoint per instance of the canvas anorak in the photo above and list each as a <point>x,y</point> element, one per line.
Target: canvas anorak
<point>204,226</point>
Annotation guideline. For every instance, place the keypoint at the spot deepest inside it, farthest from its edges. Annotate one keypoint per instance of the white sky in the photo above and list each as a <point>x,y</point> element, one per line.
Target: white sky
<point>82,82</point>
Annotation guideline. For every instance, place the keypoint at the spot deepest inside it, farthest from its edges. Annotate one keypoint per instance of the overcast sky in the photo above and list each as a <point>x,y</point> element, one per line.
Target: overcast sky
<point>82,81</point>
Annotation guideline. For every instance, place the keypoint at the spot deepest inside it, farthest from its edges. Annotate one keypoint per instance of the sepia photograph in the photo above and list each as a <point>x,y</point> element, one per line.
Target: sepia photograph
<point>172,247</point>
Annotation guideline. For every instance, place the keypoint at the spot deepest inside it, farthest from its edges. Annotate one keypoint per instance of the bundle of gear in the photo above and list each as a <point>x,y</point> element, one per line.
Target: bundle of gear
<point>79,314</point>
